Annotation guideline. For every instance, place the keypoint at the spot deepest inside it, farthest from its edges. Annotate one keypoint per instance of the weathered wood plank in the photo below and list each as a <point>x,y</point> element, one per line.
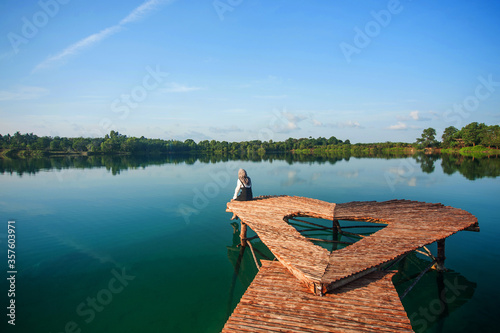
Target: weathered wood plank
<point>275,302</point>
<point>410,225</point>
<point>360,299</point>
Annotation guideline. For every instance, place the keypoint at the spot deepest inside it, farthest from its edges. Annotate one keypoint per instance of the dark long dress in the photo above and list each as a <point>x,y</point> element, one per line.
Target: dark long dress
<point>246,193</point>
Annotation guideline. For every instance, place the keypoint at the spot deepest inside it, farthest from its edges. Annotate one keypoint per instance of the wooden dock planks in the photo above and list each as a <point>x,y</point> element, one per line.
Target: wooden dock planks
<point>410,225</point>
<point>305,260</point>
<point>275,302</point>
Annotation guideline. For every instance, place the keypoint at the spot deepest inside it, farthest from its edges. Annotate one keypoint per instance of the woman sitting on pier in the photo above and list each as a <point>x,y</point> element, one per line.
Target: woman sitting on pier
<point>244,184</point>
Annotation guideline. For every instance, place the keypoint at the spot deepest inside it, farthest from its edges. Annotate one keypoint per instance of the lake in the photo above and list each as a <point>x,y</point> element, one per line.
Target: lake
<point>129,244</point>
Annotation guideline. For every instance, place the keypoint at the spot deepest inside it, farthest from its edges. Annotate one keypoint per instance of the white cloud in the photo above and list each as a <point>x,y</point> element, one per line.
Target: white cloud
<point>317,122</point>
<point>399,126</point>
<point>134,15</point>
<point>285,121</point>
<point>349,123</point>
<point>292,117</point>
<point>23,93</point>
<point>293,120</point>
<point>291,126</point>
<point>174,87</point>
<point>414,115</point>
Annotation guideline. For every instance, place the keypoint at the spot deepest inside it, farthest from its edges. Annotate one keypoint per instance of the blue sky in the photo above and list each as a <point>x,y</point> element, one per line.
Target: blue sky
<point>237,70</point>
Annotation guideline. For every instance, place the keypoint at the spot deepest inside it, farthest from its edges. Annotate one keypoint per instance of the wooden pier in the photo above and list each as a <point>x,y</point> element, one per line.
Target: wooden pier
<point>275,302</point>
<point>410,226</point>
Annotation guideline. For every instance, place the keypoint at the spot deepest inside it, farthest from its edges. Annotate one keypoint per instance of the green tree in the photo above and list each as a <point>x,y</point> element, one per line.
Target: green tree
<point>95,145</point>
<point>190,144</point>
<point>471,133</point>
<point>333,140</point>
<point>80,144</point>
<point>65,144</point>
<point>490,136</point>
<point>448,136</point>
<point>428,138</point>
<point>42,143</point>
<point>55,143</point>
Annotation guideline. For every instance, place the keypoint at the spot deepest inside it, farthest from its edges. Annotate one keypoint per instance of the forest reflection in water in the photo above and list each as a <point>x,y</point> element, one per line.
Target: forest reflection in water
<point>469,167</point>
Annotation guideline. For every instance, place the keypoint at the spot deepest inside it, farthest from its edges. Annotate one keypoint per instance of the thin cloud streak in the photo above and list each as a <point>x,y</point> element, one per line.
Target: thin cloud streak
<point>135,15</point>
<point>78,46</point>
<point>141,11</point>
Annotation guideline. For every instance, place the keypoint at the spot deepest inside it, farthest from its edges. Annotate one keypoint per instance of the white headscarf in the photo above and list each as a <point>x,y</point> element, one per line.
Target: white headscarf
<point>242,176</point>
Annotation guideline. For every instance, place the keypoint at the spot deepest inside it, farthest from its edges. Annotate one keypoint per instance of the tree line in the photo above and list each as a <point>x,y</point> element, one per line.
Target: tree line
<point>471,135</point>
<point>114,142</point>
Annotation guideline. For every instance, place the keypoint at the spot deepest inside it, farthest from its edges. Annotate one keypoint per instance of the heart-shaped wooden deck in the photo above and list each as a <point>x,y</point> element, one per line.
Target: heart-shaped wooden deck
<point>410,225</point>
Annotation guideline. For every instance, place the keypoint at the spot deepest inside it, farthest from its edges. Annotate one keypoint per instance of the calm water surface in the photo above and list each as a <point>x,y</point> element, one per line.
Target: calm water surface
<point>126,245</point>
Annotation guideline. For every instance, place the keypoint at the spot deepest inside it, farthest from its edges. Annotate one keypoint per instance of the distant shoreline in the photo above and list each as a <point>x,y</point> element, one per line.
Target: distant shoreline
<point>477,151</point>
<point>473,140</point>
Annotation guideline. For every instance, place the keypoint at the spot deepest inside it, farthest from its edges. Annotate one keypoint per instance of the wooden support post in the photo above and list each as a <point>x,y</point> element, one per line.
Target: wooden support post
<point>243,234</point>
<point>336,226</point>
<point>335,229</point>
<point>440,255</point>
<point>253,254</point>
<point>319,289</point>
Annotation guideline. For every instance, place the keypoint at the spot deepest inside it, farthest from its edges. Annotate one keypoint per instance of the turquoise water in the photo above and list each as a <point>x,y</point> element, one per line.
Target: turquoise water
<point>133,245</point>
